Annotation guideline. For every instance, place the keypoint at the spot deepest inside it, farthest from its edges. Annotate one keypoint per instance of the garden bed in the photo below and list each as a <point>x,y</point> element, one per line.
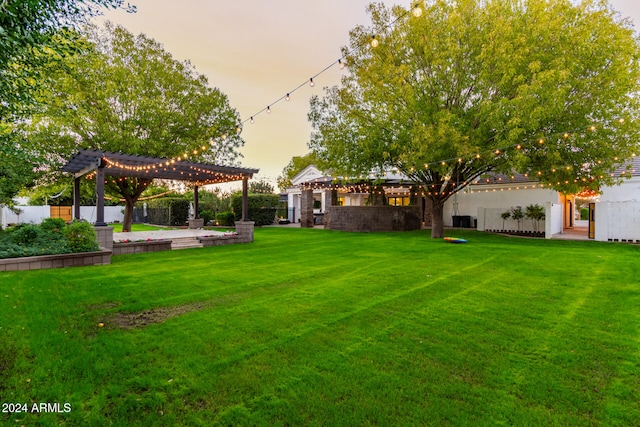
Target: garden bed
<point>39,262</point>
<point>122,248</point>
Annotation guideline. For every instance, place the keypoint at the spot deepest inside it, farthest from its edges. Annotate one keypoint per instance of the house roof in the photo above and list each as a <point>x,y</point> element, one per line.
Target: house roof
<point>129,165</point>
<point>516,178</point>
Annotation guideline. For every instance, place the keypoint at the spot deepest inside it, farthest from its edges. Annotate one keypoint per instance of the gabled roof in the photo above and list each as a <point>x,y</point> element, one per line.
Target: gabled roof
<point>310,174</point>
<point>128,165</point>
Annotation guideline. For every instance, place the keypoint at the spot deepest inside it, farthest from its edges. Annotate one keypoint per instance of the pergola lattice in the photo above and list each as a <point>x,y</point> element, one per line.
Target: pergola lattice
<point>127,165</point>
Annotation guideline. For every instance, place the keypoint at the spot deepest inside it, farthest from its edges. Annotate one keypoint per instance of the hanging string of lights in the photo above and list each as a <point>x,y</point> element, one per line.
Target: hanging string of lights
<point>416,11</point>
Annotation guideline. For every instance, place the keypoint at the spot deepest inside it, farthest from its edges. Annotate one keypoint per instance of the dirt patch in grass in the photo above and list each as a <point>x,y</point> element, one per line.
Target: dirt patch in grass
<point>156,315</point>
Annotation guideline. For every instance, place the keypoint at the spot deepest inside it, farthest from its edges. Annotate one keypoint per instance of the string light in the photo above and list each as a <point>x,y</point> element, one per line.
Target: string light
<point>417,10</point>
<point>268,110</point>
<point>374,41</point>
<point>341,64</point>
<point>311,82</point>
<point>288,97</point>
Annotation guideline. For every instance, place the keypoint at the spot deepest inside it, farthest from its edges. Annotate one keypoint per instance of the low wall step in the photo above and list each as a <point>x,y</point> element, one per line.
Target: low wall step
<point>185,243</point>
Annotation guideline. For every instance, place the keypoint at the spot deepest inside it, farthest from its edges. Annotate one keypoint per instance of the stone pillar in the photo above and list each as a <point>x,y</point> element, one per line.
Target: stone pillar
<point>105,237</point>
<point>245,230</point>
<point>330,199</point>
<point>100,197</point>
<point>306,209</point>
<point>245,199</point>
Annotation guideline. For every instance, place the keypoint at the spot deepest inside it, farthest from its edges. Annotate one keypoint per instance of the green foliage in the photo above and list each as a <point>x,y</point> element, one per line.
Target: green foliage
<point>52,236</point>
<point>226,218</point>
<point>176,210</point>
<point>517,213</point>
<point>294,167</point>
<point>473,86</point>
<point>55,225</point>
<point>81,237</point>
<point>262,207</point>
<point>505,216</point>
<point>207,216</point>
<point>312,327</point>
<point>536,213</point>
<point>17,166</point>
<point>129,95</point>
<point>260,187</point>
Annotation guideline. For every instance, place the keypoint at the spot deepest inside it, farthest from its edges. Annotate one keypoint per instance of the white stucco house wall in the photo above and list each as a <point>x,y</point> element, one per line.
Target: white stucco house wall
<point>615,216</point>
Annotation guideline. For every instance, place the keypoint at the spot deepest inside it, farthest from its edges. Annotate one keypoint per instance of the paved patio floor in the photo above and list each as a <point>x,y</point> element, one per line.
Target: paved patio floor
<point>165,234</point>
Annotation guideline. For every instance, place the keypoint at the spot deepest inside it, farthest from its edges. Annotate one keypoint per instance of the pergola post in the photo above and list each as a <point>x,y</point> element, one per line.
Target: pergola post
<point>245,198</point>
<point>195,202</point>
<point>100,196</point>
<point>76,198</point>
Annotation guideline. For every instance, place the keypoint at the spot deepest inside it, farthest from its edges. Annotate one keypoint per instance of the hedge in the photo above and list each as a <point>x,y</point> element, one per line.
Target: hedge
<point>262,207</point>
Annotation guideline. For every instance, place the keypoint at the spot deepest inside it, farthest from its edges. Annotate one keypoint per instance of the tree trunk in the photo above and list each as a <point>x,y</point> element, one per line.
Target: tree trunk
<point>437,218</point>
<point>128,215</point>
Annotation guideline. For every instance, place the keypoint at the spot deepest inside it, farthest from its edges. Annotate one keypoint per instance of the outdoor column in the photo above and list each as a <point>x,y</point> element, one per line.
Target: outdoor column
<point>100,196</point>
<point>76,198</point>
<point>195,202</point>
<point>306,209</point>
<point>245,199</point>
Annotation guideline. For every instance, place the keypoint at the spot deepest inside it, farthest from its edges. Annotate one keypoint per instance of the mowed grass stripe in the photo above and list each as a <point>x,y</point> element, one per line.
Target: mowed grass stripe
<point>309,327</point>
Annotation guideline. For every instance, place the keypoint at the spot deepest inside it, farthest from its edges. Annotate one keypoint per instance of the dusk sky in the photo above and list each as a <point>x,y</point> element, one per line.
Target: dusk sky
<point>255,51</point>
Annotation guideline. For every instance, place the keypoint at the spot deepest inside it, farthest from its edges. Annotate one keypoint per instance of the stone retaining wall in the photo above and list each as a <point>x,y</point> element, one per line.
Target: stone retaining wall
<point>56,261</point>
<point>121,248</point>
<point>373,218</point>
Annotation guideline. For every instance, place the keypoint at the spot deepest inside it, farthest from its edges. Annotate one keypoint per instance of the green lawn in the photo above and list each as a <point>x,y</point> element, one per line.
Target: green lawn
<point>117,228</point>
<point>313,327</point>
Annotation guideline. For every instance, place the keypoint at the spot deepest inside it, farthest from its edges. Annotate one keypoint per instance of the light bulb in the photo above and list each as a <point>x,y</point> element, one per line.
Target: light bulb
<point>287,98</point>
<point>311,82</point>
<point>374,41</point>
<point>341,64</point>
<point>251,120</point>
<point>417,11</point>
<point>268,110</point>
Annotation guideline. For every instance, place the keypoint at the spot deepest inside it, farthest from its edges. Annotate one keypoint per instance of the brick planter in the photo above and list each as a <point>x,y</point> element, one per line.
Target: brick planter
<point>120,248</point>
<point>221,240</point>
<point>56,261</point>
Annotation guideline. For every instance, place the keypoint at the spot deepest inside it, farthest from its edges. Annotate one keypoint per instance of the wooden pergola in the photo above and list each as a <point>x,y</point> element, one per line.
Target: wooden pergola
<point>131,166</point>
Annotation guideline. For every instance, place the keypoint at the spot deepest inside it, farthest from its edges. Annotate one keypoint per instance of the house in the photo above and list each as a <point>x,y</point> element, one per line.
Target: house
<point>614,213</point>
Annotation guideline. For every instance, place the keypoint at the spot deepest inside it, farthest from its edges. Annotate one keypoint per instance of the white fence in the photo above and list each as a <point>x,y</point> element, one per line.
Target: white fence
<point>490,219</point>
<point>35,214</point>
<point>617,221</point>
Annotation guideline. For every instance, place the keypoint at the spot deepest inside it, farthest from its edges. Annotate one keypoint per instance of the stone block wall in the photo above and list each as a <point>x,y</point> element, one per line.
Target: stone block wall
<point>374,218</point>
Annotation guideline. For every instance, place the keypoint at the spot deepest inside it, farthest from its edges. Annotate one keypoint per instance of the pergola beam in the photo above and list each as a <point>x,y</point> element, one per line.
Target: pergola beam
<point>132,166</point>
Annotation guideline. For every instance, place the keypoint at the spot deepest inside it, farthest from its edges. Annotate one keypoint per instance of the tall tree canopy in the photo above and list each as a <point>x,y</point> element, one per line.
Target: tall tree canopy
<point>130,95</point>
<point>540,87</point>
<point>294,167</point>
<point>33,37</point>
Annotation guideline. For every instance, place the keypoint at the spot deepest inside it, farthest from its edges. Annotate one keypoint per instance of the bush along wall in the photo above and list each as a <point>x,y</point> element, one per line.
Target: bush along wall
<point>168,211</point>
<point>51,237</point>
<point>262,208</point>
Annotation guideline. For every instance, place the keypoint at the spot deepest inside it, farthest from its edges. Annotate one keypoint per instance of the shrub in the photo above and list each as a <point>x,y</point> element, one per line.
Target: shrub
<point>81,237</point>
<point>53,225</point>
<point>206,216</point>
<point>262,207</point>
<point>177,207</point>
<point>226,218</point>
<point>25,234</point>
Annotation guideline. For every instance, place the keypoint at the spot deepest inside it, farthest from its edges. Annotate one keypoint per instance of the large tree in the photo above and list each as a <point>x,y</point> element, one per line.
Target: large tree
<point>131,96</point>
<point>294,167</point>
<point>540,87</point>
<point>34,36</point>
